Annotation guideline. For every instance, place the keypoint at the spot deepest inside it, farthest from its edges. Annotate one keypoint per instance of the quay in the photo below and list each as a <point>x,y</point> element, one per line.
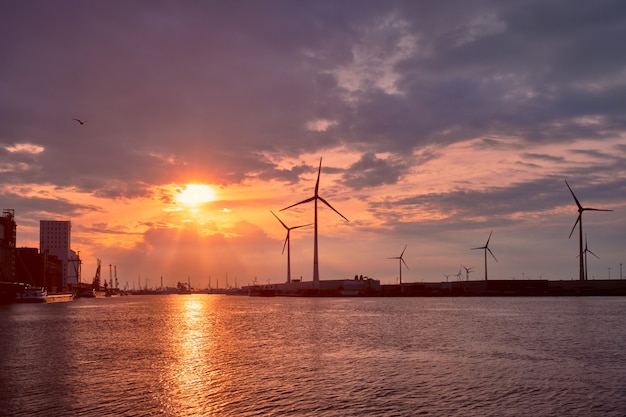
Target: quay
<point>483,288</point>
<point>17,292</point>
<point>59,298</point>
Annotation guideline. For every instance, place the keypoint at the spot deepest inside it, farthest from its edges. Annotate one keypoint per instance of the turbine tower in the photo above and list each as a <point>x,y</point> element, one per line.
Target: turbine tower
<point>315,198</point>
<point>401,261</point>
<point>486,248</point>
<point>579,222</point>
<point>288,244</point>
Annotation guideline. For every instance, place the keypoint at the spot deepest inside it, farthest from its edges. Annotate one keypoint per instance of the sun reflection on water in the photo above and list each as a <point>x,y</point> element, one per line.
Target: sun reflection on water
<point>189,374</point>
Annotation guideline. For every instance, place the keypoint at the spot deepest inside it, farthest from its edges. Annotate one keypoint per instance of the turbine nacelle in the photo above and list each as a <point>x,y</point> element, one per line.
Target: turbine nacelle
<point>486,247</point>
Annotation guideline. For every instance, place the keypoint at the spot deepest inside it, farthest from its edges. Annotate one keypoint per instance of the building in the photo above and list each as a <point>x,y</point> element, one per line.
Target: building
<point>39,270</point>
<point>55,239</point>
<point>8,236</point>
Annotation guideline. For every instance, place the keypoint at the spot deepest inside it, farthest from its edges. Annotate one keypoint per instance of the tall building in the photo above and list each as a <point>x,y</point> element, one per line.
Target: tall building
<point>55,239</point>
<point>8,236</point>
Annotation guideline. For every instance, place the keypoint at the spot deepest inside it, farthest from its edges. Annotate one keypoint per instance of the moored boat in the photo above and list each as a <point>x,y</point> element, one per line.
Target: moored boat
<point>30,294</point>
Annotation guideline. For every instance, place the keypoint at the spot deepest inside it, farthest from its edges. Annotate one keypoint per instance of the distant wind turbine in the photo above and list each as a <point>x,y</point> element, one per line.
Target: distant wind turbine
<point>585,253</point>
<point>401,261</point>
<point>81,122</point>
<point>447,276</point>
<point>579,222</point>
<point>288,244</point>
<point>467,271</point>
<point>486,248</point>
<point>315,198</point>
<point>459,275</point>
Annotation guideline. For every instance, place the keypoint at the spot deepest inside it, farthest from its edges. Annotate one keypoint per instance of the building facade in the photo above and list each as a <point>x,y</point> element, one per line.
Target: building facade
<point>55,238</point>
<point>8,237</point>
<point>38,269</point>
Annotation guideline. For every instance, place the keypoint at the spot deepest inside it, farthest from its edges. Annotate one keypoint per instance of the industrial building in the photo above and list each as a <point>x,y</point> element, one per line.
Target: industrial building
<point>8,237</point>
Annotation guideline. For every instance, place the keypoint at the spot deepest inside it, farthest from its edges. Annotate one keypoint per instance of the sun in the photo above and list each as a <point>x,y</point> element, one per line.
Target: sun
<point>193,195</point>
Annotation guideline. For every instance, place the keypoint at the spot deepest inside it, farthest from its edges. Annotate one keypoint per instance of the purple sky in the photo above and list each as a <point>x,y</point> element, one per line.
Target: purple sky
<point>438,122</point>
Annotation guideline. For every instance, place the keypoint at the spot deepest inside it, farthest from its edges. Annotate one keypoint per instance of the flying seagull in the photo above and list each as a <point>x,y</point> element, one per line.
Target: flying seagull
<point>82,122</point>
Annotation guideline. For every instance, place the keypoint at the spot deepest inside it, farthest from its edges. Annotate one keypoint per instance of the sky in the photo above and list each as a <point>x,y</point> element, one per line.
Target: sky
<point>437,123</point>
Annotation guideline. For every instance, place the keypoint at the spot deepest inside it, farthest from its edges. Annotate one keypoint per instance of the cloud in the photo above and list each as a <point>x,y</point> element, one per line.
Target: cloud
<point>371,171</point>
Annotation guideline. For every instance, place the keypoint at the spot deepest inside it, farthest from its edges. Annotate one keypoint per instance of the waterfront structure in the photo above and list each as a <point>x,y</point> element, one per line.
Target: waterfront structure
<point>55,239</point>
<point>8,236</point>
<point>39,269</point>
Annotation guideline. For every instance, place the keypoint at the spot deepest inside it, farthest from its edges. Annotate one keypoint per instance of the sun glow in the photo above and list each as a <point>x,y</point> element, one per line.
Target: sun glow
<point>193,195</point>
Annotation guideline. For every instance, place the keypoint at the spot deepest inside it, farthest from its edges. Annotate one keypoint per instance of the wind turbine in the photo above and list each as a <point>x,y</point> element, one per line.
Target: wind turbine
<point>467,271</point>
<point>288,244</point>
<point>579,222</point>
<point>315,198</point>
<point>447,276</point>
<point>486,248</point>
<point>401,261</point>
<point>459,275</point>
<point>585,253</point>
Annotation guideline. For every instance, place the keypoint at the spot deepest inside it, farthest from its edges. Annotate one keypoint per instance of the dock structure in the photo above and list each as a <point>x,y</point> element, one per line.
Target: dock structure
<point>368,287</point>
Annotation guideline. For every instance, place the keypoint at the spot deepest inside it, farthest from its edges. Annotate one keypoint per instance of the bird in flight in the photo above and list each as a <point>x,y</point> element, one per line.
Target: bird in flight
<point>82,122</point>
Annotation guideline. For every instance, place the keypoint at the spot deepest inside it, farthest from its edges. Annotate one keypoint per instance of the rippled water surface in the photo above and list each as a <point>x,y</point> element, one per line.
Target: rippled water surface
<point>205,355</point>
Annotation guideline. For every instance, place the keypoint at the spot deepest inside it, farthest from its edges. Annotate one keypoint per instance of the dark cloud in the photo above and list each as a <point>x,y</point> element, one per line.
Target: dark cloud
<point>500,205</point>
<point>44,207</point>
<point>216,85</point>
<point>542,157</point>
<point>371,171</point>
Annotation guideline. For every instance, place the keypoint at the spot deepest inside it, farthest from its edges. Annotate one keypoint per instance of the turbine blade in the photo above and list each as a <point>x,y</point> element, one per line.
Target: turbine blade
<point>301,202</point>
<point>297,227</point>
<point>328,204</point>
<point>494,256</point>
<point>573,228</point>
<point>595,209</point>
<point>285,244</point>
<point>317,183</point>
<point>407,267</point>
<point>488,239</point>
<point>593,254</point>
<point>281,222</point>
<point>481,247</point>
<point>403,250</point>
<point>580,207</point>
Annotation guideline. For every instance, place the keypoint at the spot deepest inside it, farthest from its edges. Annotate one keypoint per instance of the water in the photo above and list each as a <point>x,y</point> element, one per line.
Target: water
<point>215,355</point>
